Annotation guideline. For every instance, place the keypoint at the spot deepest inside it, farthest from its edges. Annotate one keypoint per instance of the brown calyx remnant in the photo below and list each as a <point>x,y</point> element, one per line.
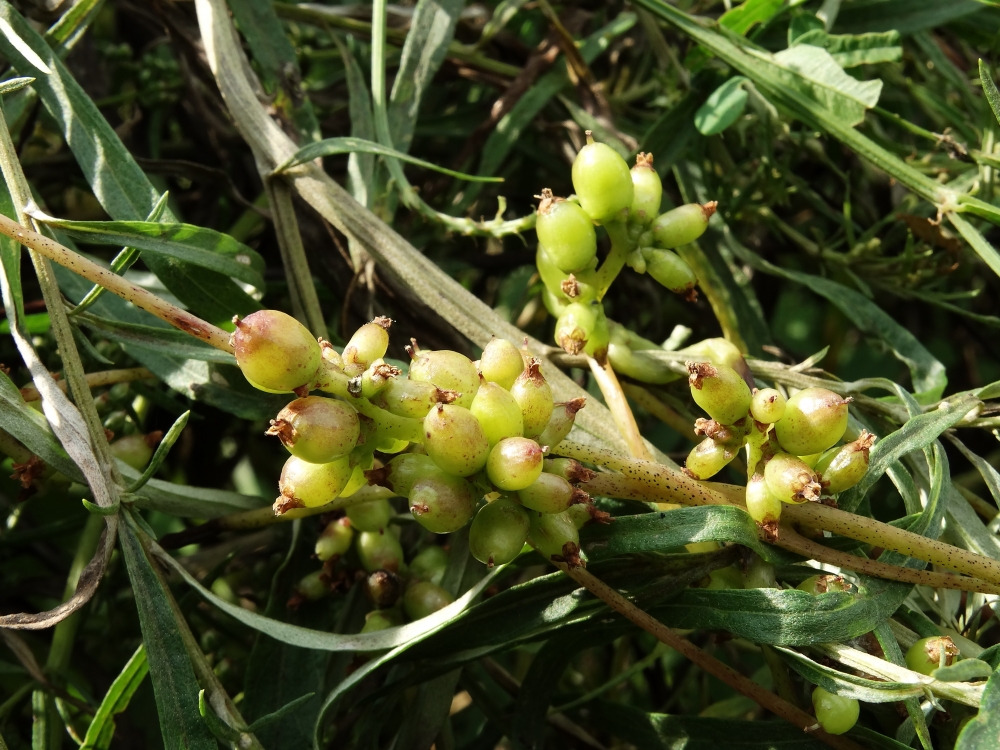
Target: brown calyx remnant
<point>577,473</point>
<point>827,583</point>
<point>302,391</point>
<point>571,556</point>
<point>770,530</point>
<point>691,294</point>
<point>570,287</point>
<point>710,428</point>
<point>709,208</point>
<point>864,443</point>
<point>572,342</point>
<point>547,201</point>
<point>580,497</point>
<point>4,369</point>
<point>810,490</point>
<point>153,439</point>
<point>699,371</point>
<point>599,516</point>
<point>383,322</point>
<point>284,503</point>
<point>933,649</point>
<point>572,407</point>
<point>27,472</point>
<point>533,371</point>
<point>642,159</point>
<point>443,396</point>
<point>378,477</point>
<point>419,509</point>
<point>283,430</point>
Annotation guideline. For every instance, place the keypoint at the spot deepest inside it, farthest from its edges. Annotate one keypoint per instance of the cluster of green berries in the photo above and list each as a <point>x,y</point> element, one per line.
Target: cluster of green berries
<point>461,440</point>
<point>792,445</point>
<point>626,202</point>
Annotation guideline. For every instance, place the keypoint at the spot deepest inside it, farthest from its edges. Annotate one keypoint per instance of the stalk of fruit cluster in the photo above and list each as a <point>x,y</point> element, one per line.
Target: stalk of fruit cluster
<point>611,389</point>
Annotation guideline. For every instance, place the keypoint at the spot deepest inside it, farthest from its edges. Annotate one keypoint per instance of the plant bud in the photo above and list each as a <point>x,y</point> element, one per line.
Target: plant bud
<point>683,225</point>
<point>823,584</point>
<point>498,412</point>
<point>762,505</point>
<point>501,363</point>
<point>767,405</point>
<point>312,587</point>
<point>670,270</point>
<point>448,370</point>
<point>566,232</point>
<point>708,458</point>
<point>380,551</point>
<point>368,344</point>
<point>383,588</point>
<point>136,450</point>
<point>441,503</point>
<point>534,396</point>
<point>317,429</point>
<point>455,440</point>
<point>306,485</point>
<point>928,654</point>
<point>514,463</point>
<point>371,516</point>
<point>498,532</point>
<point>275,352</point>
<point>836,714</point>
<point>412,398</point>
<point>402,472</point>
<point>647,190</point>
<point>429,564</point>
<point>842,468</point>
<point>551,493</point>
<point>602,181</point>
<point>720,391</point>
<point>569,469</point>
<point>814,420</point>
<point>335,540</point>
<point>555,537</point>
<point>790,479</point>
<point>561,422</point>
<point>423,599</point>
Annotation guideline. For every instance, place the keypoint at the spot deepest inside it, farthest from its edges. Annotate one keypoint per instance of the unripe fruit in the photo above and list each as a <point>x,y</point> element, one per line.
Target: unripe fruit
<point>317,429</point>
<point>455,440</point>
<point>577,327</point>
<point>400,474</point>
<point>835,713</point>
<point>383,588</point>
<point>718,351</point>
<point>380,550</point>
<point>335,540</point>
<point>823,584</point>
<point>767,405</point>
<point>303,484</point>
<point>682,225</point>
<point>561,422</point>
<point>373,381</point>
<point>534,396</point>
<point>448,370</point>
<point>380,619</point>
<point>514,463</point>
<point>813,458</point>
<point>569,469</point>
<point>555,536</point>
<point>551,494</point>
<point>928,654</point>
<point>842,468</point>
<point>368,343</point>
<point>669,270</point>
<point>371,516</point>
<point>647,190</point>
<point>136,450</point>
<point>814,420</point>
<point>708,458</point>
<point>501,363</point>
<point>566,232</point>
<point>423,599</point>
<point>602,181</point>
<point>790,479</point>
<point>720,391</point>
<point>441,503</point>
<point>429,564</point>
<point>412,398</point>
<point>579,514</point>
<point>762,505</point>
<point>498,532</point>
<point>312,587</point>
<point>274,351</point>
<point>498,412</point>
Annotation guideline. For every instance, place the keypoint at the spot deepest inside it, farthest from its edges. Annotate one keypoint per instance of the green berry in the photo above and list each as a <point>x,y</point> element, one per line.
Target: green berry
<point>835,713</point>
<point>569,469</point>
<point>275,352</point>
<point>767,405</point>
<point>303,484</point>
<point>380,619</point>
<point>374,380</point>
<point>380,550</point>
<point>317,429</point>
<point>718,351</point>
<point>368,344</point>
<point>720,391</point>
<point>843,467</point>
<point>823,584</point>
<point>501,363</point>
<point>582,327</point>
<point>814,420</point>
<point>455,440</point>
<point>534,396</point>
<point>580,514</point>
<point>383,588</point>
<point>647,190</point>
<point>371,516</point>
<point>683,225</point>
<point>430,564</point>
<point>708,458</point>
<point>312,587</point>
<point>813,458</point>
<point>400,474</point>
<point>669,270</point>
<point>551,493</point>
<point>136,450</point>
<point>498,412</point>
<point>498,532</point>
<point>514,463</point>
<point>448,370</point>
<point>335,540</point>
<point>423,599</point>
<point>724,579</point>
<point>555,536</point>
<point>928,654</point>
<point>602,182</point>
<point>561,422</point>
<point>790,479</point>
<point>412,398</point>
<point>762,505</point>
<point>441,503</point>
<point>566,232</point>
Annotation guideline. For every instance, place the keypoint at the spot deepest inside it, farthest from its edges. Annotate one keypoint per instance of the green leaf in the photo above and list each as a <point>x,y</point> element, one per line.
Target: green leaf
<point>166,342</point>
<point>852,50</point>
<point>849,685</point>
<point>745,16</point>
<point>814,72</point>
<point>161,451</point>
<point>215,725</point>
<point>722,108</point>
<point>981,733</point>
<point>904,16</point>
<point>282,712</point>
<point>975,238</point>
<point>116,700</point>
<point>966,670</point>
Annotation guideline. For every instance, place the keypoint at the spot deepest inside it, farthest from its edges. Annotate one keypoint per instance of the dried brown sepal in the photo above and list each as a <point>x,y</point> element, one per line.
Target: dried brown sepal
<point>282,430</point>
<point>26,473</point>
<point>710,428</point>
<point>709,208</point>
<point>384,371</point>
<point>642,159</point>
<point>378,477</point>
<point>864,443</point>
<point>570,287</point>
<point>284,504</point>
<point>698,372</point>
<point>444,396</point>
<point>770,530</point>
<point>599,516</point>
<point>810,491</point>
<point>383,322</point>
<point>580,497</point>
<point>933,649</point>
<point>574,341</point>
<point>577,473</point>
<point>572,407</point>
<point>691,294</point>
<point>571,556</point>
<point>354,386</point>
<point>546,201</point>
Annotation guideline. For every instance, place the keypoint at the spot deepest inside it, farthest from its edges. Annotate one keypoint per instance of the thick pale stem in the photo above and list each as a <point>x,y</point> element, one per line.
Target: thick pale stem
<point>621,246</point>
<point>611,389</point>
<point>96,380</point>
<point>116,284</point>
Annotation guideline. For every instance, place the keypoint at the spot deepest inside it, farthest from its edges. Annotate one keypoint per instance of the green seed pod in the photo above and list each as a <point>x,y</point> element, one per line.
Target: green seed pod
<point>569,469</point>
<point>814,420</point>
<point>430,564</point>
<point>514,463</point>
<point>762,505</point>
<point>823,584</point>
<point>448,370</point>
<point>708,458</point>
<point>400,474</point>
<point>566,232</point>
<point>307,485</point>
<point>767,405</point>
<point>551,493</point>
<point>647,190</point>
<point>670,270</point>
<point>561,422</point>
<point>455,440</point>
<point>381,619</point>
<point>790,479</point>
<point>371,516</point>
<point>423,599</point>
<point>841,468</point>
<point>380,550</point>
<point>275,352</point>
<point>312,587</point>
<point>720,391</point>
<point>683,225</point>
<point>412,398</point>
<point>441,503</point>
<point>835,713</point>
<point>602,181</point>
<point>335,540</point>
<point>534,396</point>
<point>136,450</point>
<point>368,344</point>
<point>501,363</point>
<point>498,412</point>
<point>317,429</point>
<point>555,536</point>
<point>498,532</point>
<point>928,654</point>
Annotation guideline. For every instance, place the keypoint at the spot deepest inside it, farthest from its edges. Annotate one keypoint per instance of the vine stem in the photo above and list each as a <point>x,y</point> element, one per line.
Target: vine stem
<point>95,380</point>
<point>611,389</point>
<point>116,284</point>
<point>707,662</point>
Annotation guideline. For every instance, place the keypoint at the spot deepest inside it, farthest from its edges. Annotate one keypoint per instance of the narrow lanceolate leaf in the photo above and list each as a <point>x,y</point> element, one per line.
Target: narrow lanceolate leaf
<point>722,108</point>
<point>981,733</point>
<point>849,685</point>
<point>116,700</point>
